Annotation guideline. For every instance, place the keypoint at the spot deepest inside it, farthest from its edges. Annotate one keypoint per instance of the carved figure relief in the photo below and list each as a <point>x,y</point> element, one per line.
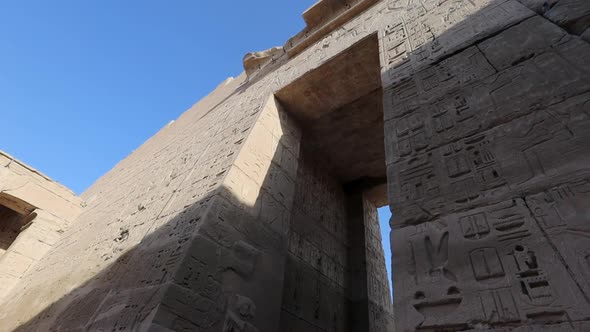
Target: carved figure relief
<point>437,293</point>
<point>438,258</point>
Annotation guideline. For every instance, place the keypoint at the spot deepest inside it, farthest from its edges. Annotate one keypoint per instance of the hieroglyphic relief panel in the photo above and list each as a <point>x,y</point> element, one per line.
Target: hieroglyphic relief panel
<point>411,124</point>
<point>528,154</point>
<point>419,121</point>
<point>200,281</point>
<point>487,267</point>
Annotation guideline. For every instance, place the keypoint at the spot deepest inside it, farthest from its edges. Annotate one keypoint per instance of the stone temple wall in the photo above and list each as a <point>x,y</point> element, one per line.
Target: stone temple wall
<point>486,114</point>
<point>378,290</point>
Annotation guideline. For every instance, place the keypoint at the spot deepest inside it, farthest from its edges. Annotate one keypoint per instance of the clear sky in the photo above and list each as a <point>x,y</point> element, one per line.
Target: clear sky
<point>84,83</point>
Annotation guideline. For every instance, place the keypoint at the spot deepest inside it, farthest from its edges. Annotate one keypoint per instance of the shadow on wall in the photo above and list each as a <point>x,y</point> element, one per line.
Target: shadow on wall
<point>186,274</point>
<point>217,265</point>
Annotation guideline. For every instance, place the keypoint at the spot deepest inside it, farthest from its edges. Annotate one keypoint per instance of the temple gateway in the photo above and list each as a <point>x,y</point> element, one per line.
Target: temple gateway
<point>256,210</point>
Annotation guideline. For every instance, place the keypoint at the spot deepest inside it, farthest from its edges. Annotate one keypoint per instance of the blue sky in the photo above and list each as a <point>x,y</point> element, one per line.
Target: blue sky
<point>84,83</point>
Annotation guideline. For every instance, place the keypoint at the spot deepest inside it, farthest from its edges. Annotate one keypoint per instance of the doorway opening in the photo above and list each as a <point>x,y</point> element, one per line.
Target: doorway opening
<point>335,276</point>
<point>14,216</point>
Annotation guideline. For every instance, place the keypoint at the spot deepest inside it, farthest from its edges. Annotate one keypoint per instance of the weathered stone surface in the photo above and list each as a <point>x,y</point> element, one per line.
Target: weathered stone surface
<point>522,42</point>
<point>255,210</point>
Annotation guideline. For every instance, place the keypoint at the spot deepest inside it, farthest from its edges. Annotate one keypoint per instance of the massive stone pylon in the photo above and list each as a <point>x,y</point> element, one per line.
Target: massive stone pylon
<point>256,209</point>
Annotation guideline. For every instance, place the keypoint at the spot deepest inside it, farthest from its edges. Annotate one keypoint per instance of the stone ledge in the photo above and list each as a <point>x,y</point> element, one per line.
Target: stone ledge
<point>321,19</point>
<point>254,61</point>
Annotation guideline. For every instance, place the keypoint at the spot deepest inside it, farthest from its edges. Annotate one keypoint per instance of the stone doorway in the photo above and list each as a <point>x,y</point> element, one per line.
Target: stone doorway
<point>14,217</point>
<point>335,276</point>
<point>11,223</point>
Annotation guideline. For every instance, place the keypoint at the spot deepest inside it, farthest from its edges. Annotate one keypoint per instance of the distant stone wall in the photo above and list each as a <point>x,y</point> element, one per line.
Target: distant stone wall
<point>379,298</point>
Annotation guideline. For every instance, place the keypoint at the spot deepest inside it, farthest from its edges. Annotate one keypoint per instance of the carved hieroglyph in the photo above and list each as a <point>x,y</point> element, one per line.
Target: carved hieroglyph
<point>255,210</point>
